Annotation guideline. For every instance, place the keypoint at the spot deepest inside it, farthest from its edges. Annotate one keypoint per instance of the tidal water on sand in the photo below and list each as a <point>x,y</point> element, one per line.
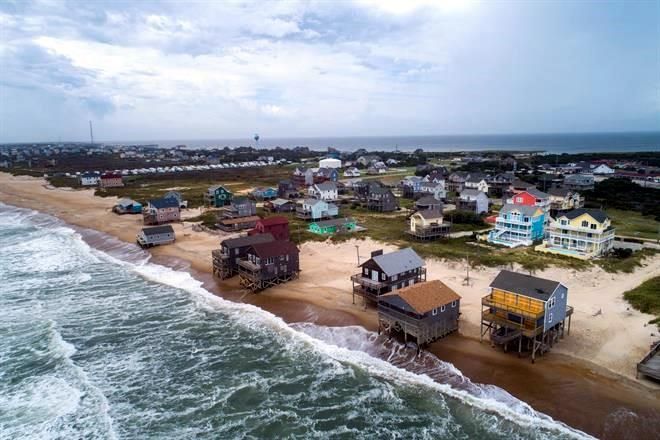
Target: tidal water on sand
<point>105,344</point>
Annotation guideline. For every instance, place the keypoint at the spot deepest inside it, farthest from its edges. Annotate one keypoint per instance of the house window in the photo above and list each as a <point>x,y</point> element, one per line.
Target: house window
<point>442,309</point>
<point>383,277</point>
<point>585,223</point>
<point>366,271</point>
<point>564,222</point>
<point>434,312</point>
<point>593,226</point>
<point>519,199</point>
<point>453,303</point>
<point>550,318</point>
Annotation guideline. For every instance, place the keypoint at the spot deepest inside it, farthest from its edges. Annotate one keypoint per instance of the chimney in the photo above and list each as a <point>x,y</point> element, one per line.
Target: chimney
<point>377,253</point>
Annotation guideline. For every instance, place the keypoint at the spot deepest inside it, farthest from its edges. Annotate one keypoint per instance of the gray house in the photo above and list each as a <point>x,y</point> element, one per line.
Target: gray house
<point>425,311</point>
<point>240,207</point>
<point>155,236</point>
<point>232,250</point>
<point>381,199</point>
<point>472,200</point>
<point>384,273</point>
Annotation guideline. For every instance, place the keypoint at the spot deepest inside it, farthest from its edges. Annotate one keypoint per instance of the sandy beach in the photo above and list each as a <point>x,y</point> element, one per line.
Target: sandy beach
<point>607,336</point>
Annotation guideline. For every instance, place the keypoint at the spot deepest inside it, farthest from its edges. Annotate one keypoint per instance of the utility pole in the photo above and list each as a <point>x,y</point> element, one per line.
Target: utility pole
<point>357,248</point>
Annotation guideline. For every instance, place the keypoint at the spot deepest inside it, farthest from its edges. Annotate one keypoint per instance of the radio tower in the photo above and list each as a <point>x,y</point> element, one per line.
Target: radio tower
<point>91,132</point>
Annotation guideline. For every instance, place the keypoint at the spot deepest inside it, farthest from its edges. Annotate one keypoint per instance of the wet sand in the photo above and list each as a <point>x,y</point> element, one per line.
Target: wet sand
<point>576,392</point>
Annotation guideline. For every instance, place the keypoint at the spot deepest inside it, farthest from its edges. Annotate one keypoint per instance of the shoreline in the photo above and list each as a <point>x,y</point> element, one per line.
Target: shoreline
<point>326,302</point>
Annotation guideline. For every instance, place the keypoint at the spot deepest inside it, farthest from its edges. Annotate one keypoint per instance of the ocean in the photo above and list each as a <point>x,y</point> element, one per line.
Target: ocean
<point>550,143</point>
<point>108,345</point>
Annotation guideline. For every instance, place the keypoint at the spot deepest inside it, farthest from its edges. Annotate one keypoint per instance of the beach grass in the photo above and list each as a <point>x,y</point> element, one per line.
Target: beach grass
<point>646,298</point>
<point>634,224</point>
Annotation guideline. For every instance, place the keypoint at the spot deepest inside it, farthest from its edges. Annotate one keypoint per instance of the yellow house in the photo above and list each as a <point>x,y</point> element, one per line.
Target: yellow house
<point>428,224</point>
<point>580,233</point>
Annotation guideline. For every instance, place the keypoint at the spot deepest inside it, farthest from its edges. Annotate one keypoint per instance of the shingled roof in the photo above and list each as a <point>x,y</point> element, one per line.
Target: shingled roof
<point>526,210</point>
<point>399,261</point>
<point>166,202</point>
<point>526,285</point>
<point>156,230</point>
<point>232,243</point>
<point>421,298</point>
<point>596,214</point>
<point>274,248</point>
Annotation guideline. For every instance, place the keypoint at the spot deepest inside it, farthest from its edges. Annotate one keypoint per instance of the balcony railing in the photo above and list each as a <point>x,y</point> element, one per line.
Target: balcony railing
<point>249,265</point>
<point>367,282</point>
<point>488,301</point>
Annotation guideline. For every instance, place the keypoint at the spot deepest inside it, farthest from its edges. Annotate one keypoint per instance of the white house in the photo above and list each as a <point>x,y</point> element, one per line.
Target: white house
<point>436,189</point>
<point>472,200</point>
<point>330,163</point>
<point>602,169</point>
<point>477,182</point>
<point>89,179</point>
<point>326,191</point>
<point>352,172</point>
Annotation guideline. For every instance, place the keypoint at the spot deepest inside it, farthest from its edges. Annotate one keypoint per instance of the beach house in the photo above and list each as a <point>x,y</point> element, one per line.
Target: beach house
<point>579,233</point>
<point>326,174</point>
<point>428,224</point>
<point>111,180</point>
<point>436,189</point>
<point>302,177</point>
<point>277,226</point>
<point>268,264</point>
<point>217,196</point>
<point>324,191</point>
<point>564,199</point>
<point>232,250</point>
<point>263,193</point>
<point>381,199</point>
<point>333,226</point>
<point>235,224</point>
<point>352,172</point>
<point>477,181</point>
<point>280,205</point>
<point>384,273</point>
<point>89,179</point>
<point>456,181</point>
<point>160,211</point>
<point>428,202</point>
<point>472,200</point>
<point>517,225</point>
<point>424,312</point>
<point>531,197</point>
<point>127,206</point>
<point>526,311</point>
<point>240,206</point>
<point>410,185</point>
<point>155,236</point>
<point>286,189</point>
<point>579,182</point>
<point>315,209</point>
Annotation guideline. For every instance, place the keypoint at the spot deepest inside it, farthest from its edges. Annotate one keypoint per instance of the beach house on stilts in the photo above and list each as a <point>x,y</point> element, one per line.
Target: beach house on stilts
<point>268,264</point>
<point>525,311</point>
<point>424,311</point>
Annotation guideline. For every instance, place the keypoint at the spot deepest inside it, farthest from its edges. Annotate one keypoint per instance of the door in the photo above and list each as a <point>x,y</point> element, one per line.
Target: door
<point>374,275</point>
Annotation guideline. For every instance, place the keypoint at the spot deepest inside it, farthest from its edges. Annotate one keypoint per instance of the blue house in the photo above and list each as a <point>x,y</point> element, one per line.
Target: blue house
<point>262,193</point>
<point>330,174</point>
<point>315,209</point>
<point>518,225</point>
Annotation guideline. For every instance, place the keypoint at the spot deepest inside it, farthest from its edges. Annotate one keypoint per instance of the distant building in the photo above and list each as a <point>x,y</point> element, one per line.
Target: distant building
<point>89,179</point>
<point>330,163</point>
<point>602,169</point>
<point>436,189</point>
<point>580,233</point>
<point>263,193</point>
<point>280,205</point>
<point>240,207</point>
<point>287,189</point>
<point>477,181</point>
<point>333,226</point>
<point>111,180</point>
<point>472,200</point>
<point>518,225</point>
<point>427,203</point>
<point>381,199</point>
<point>532,197</point>
<point>217,196</point>
<point>424,311</point>
<point>155,236</point>
<point>315,209</point>
<point>564,199</point>
<point>127,206</point>
<point>324,191</point>
<point>352,172</point>
<point>302,177</point>
<point>579,182</point>
<point>326,174</point>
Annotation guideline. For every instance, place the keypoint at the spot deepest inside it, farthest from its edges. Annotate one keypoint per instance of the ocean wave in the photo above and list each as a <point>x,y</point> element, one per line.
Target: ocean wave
<point>352,346</point>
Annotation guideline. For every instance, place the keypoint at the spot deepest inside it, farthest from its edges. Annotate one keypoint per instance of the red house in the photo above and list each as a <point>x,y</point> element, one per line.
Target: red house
<point>531,197</point>
<point>278,226</point>
<point>111,180</point>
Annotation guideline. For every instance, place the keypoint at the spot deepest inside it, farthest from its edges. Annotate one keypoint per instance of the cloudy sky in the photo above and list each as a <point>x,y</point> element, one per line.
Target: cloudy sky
<point>181,70</point>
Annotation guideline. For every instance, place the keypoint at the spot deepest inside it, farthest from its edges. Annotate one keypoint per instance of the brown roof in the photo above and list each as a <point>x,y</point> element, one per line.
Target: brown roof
<point>233,221</point>
<point>273,248</point>
<point>424,297</point>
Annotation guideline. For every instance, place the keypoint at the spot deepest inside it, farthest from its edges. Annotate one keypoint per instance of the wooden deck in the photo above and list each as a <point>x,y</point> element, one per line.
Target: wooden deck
<point>650,365</point>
